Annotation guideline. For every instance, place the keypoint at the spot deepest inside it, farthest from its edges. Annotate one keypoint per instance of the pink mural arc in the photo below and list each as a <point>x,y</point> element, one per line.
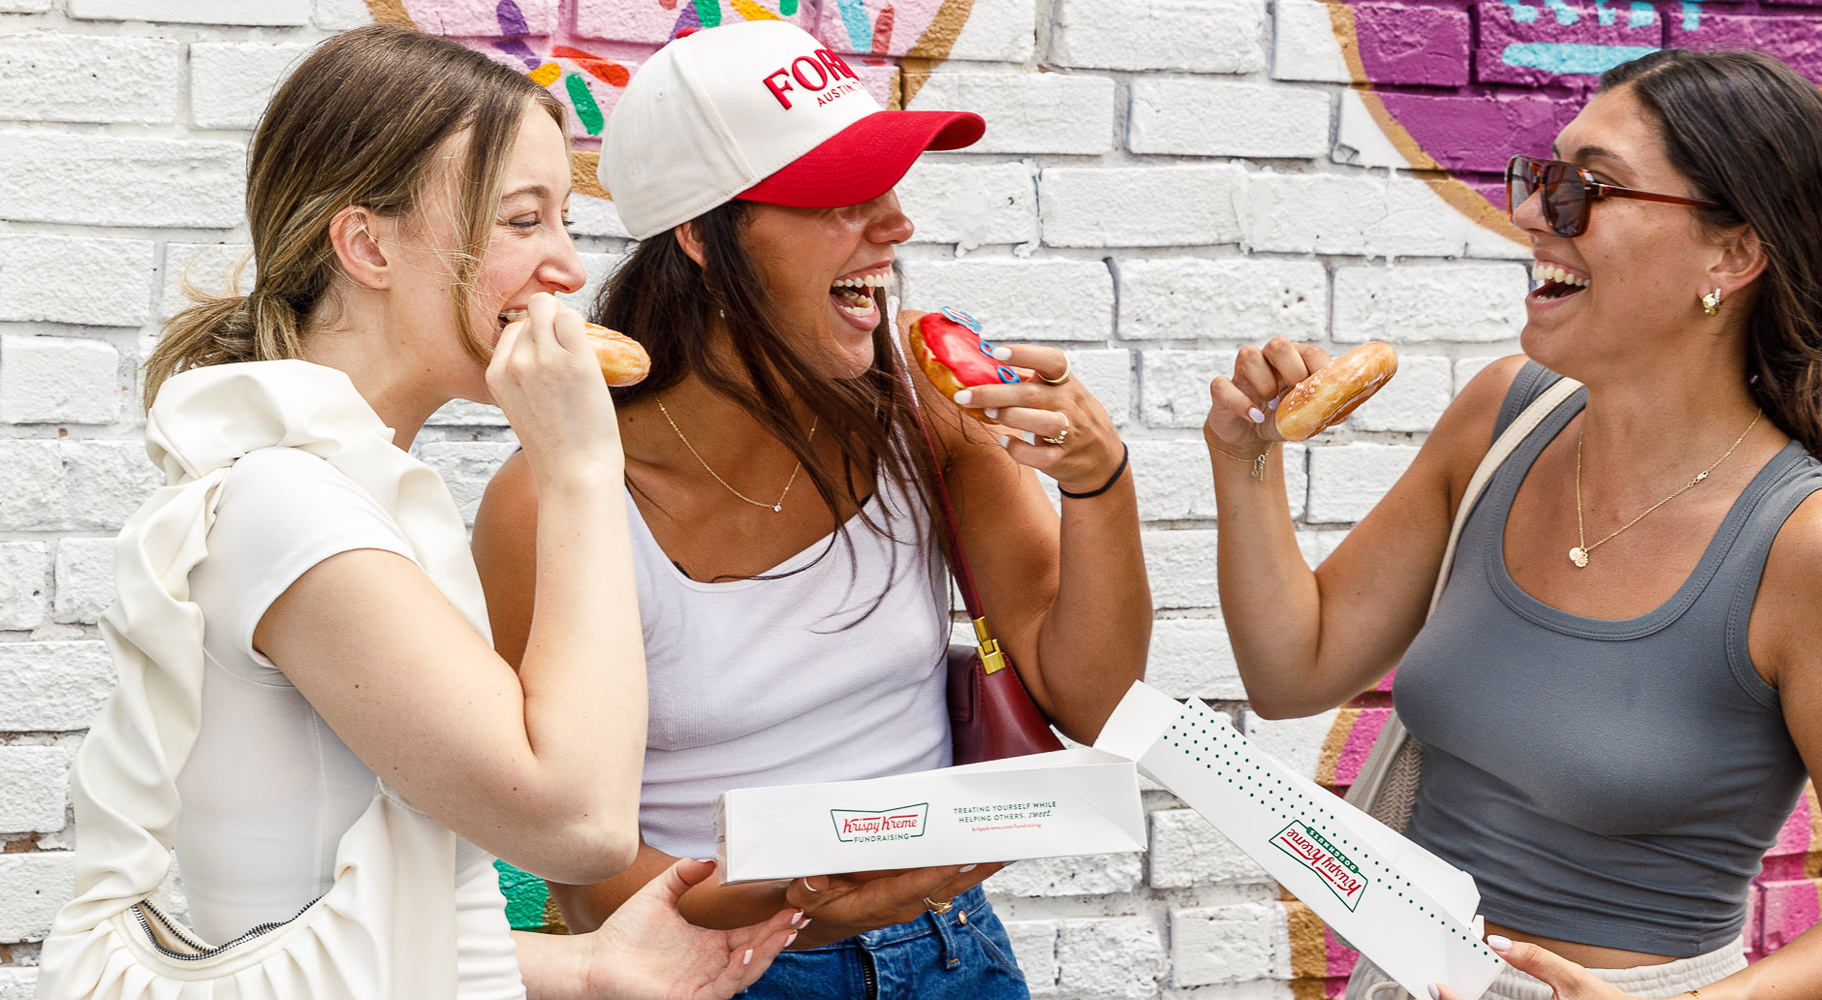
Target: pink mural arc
<point>584,51</point>
<point>1459,86</point>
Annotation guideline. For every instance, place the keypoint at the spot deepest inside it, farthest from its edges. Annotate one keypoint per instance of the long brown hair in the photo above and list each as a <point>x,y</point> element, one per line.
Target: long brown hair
<point>1747,132</point>
<point>662,298</point>
<point>357,123</point>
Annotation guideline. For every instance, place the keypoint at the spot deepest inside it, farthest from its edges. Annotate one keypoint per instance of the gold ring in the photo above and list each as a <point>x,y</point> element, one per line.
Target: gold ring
<point>939,907</point>
<point>1061,436</point>
<point>1060,379</point>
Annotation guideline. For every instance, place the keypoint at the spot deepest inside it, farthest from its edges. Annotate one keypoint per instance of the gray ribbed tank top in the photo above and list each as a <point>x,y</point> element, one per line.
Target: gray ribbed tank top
<point>1613,783</point>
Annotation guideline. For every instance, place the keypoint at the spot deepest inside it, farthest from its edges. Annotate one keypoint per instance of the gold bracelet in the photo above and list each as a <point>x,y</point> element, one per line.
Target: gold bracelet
<point>1257,461</point>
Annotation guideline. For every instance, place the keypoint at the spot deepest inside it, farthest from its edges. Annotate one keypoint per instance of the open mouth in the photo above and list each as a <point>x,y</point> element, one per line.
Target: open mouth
<point>854,294</point>
<point>1555,282</point>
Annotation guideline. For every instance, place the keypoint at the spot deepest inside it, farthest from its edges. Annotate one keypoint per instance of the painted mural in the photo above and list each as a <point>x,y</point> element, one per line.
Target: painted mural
<point>1459,86</point>
<point>585,51</point>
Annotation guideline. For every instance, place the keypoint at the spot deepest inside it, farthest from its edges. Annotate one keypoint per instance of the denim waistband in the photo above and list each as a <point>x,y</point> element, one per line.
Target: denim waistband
<point>924,924</point>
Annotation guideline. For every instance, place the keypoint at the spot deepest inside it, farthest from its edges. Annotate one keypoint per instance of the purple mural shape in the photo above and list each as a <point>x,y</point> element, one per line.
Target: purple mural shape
<point>1460,86</point>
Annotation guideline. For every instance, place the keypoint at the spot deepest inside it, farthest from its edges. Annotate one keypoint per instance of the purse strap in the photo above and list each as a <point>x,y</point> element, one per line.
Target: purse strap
<point>992,658</point>
<point>1503,446</point>
<point>1384,754</point>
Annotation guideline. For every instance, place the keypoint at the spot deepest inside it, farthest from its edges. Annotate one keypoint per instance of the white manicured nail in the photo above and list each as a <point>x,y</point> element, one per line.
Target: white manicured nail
<point>993,413</point>
<point>1499,942</point>
<point>748,960</point>
<point>963,397</point>
<point>1002,354</point>
<point>1029,436</point>
<point>1003,440</point>
<point>1254,415</point>
<point>1273,404</point>
<point>966,869</point>
<point>1435,994</point>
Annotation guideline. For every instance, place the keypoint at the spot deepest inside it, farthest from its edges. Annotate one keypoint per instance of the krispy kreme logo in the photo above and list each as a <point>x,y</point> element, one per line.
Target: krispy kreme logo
<point>1341,875</point>
<point>903,823</point>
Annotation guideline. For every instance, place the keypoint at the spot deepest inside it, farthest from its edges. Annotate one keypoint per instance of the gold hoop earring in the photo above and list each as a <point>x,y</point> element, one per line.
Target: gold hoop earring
<point>1711,303</point>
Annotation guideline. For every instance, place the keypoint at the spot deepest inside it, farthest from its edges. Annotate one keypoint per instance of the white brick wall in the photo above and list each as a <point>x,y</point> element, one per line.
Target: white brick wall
<point>1160,183</point>
<point>73,78</point>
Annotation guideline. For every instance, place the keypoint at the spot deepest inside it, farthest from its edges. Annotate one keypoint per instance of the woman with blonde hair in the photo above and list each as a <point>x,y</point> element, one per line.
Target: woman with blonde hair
<point>309,707</point>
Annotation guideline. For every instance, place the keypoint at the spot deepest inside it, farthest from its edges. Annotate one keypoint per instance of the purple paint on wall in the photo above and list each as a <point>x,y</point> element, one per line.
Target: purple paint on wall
<point>1531,66</point>
<point>1416,45</point>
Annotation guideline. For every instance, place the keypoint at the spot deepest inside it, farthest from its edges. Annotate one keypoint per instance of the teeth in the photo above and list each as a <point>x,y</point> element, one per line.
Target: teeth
<point>874,279</point>
<point>1546,271</point>
<point>862,309</point>
<point>513,316</point>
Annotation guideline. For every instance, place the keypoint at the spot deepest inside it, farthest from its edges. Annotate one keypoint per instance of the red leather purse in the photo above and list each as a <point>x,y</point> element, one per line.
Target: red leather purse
<point>991,715</point>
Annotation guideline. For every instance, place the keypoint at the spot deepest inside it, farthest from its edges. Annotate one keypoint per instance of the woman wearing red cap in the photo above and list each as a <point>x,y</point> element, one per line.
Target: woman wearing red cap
<point>794,608</point>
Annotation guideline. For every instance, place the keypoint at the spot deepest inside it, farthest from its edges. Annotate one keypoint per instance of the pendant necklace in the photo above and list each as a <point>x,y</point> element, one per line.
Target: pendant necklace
<point>1579,554</point>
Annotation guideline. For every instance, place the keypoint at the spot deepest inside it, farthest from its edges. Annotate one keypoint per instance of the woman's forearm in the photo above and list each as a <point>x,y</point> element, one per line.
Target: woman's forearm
<point>1270,602</point>
<point>583,670</point>
<point>1093,642</point>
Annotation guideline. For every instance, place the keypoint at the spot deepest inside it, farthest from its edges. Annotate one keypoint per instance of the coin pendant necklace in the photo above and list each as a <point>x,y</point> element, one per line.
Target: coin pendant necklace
<point>777,506</point>
<point>1579,553</point>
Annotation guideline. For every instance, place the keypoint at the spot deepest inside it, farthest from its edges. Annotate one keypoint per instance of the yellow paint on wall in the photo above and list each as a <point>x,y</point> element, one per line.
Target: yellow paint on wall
<point>546,74</point>
<point>582,179</point>
<point>752,11</point>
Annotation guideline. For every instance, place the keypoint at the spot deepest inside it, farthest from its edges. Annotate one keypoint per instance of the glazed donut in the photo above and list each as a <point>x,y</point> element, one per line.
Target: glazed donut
<point>949,347</point>
<point>1328,396</point>
<point>622,359</point>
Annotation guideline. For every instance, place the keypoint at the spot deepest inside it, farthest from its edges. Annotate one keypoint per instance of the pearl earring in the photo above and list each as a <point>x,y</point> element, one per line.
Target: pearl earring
<point>1711,303</point>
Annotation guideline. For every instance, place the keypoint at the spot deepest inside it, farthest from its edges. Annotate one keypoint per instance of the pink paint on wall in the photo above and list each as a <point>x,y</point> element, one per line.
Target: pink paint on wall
<point>583,50</point>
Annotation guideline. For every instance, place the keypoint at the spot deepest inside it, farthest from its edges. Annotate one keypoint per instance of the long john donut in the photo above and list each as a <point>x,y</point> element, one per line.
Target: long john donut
<point>1328,396</point>
<point>948,346</point>
<point>622,359</point>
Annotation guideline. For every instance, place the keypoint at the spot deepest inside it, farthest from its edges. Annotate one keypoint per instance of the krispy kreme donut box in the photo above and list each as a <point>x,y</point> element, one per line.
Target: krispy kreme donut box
<point>1077,801</point>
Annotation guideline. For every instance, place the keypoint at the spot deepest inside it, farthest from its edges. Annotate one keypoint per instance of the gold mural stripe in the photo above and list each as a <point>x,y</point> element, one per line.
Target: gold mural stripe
<point>389,12</point>
<point>1337,739</point>
<point>1309,945</point>
<point>1457,194</point>
<point>932,47</point>
<point>582,179</point>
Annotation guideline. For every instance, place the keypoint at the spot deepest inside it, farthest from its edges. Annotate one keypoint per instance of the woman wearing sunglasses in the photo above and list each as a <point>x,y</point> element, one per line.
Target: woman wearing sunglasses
<point>1620,694</point>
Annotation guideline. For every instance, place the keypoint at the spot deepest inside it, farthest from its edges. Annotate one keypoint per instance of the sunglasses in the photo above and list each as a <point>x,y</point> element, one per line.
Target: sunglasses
<point>1569,191</point>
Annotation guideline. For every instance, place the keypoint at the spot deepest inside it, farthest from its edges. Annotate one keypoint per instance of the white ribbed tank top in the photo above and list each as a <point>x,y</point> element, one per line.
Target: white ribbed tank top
<point>756,682</point>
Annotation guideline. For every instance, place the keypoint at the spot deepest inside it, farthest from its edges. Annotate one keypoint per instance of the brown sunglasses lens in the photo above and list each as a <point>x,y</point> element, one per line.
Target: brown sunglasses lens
<point>1565,202</point>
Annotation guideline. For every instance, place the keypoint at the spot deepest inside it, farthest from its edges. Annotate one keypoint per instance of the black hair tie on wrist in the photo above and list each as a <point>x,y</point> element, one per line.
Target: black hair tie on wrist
<point>1108,485</point>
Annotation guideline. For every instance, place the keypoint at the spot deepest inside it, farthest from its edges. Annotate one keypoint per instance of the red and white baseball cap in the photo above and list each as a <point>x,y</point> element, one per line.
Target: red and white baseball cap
<point>762,111</point>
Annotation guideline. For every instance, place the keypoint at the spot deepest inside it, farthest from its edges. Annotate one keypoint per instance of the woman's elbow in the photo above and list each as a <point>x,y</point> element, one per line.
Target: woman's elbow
<point>591,851</point>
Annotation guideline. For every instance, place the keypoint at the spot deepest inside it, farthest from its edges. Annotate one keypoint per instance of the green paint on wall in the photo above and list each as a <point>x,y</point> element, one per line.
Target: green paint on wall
<point>526,896</point>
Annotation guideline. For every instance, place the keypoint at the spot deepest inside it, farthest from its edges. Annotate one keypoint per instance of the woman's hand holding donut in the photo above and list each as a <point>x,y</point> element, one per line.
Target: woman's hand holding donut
<point>1240,418</point>
<point>837,907</point>
<point>1053,423</point>
<point>545,377</point>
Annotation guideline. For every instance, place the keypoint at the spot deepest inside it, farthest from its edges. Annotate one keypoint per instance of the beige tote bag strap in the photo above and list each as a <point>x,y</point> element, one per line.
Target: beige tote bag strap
<point>1368,785</point>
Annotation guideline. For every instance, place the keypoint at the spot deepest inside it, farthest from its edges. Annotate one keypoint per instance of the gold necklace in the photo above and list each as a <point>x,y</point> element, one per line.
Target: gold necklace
<point>1579,554</point>
<point>776,505</point>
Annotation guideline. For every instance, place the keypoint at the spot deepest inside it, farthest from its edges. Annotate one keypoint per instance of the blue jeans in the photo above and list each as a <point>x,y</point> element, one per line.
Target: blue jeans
<point>962,954</point>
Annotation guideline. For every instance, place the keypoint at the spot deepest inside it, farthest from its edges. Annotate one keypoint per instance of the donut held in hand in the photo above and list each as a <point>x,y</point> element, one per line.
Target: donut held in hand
<point>948,345</point>
<point>622,359</point>
<point>1328,396</point>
